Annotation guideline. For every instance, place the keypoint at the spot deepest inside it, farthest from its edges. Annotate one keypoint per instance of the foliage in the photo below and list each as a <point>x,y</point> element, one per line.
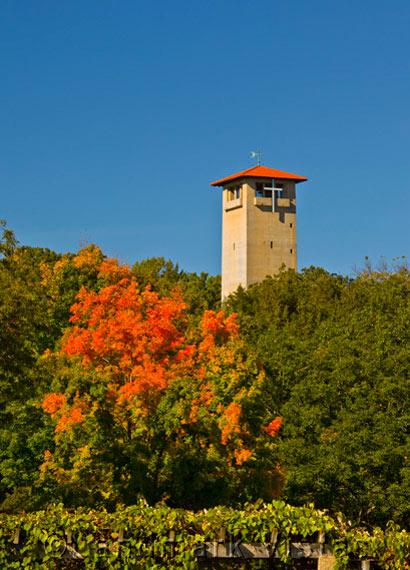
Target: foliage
<point>201,292</point>
<point>24,334</point>
<point>337,360</point>
<point>37,289</point>
<point>301,386</point>
<point>8,241</point>
<point>139,536</point>
<point>141,401</point>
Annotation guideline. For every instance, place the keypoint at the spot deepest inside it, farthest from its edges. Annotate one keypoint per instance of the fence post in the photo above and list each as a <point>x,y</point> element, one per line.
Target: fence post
<point>326,562</point>
<point>171,540</point>
<point>16,538</point>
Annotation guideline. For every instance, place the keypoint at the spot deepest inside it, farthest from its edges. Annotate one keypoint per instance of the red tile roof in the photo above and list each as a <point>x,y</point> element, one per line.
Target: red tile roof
<point>260,172</point>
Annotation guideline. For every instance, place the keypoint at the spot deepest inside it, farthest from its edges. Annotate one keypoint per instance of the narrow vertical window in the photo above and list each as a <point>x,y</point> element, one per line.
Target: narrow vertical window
<point>259,190</point>
<point>271,244</point>
<point>234,246</point>
<point>291,251</point>
<point>279,188</point>
<point>291,225</point>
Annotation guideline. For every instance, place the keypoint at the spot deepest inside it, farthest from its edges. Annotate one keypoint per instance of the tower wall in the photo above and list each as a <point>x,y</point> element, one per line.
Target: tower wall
<point>256,241</point>
<point>234,242</point>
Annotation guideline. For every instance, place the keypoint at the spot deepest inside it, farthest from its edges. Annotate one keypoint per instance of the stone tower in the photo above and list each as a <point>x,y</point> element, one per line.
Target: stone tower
<point>258,225</point>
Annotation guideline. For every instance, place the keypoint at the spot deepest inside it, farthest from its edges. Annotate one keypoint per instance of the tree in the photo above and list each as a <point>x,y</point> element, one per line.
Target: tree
<point>23,336</point>
<point>8,241</point>
<point>144,403</point>
<point>201,292</point>
<point>37,288</point>
<point>337,360</point>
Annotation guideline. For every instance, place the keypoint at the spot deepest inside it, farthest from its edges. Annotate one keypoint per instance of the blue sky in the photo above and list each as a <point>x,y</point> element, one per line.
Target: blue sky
<point>116,116</point>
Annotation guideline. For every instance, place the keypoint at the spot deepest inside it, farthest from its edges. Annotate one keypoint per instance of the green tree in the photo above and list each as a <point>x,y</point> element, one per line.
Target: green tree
<point>37,288</point>
<point>336,352</point>
<point>201,292</point>
<point>8,241</point>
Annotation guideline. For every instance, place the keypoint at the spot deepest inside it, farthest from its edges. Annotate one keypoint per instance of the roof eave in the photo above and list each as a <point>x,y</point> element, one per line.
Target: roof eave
<point>223,181</point>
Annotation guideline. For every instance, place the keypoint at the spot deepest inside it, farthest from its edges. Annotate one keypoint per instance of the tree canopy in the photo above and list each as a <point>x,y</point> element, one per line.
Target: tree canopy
<point>119,382</point>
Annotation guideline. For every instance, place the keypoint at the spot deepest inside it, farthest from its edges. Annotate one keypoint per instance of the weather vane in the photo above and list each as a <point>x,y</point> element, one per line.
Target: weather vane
<point>257,154</point>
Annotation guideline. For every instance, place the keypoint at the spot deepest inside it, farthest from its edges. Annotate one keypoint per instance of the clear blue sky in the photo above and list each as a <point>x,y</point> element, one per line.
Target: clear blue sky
<point>116,115</point>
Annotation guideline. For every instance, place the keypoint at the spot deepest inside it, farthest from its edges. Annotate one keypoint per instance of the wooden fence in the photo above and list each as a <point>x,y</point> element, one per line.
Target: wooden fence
<point>303,554</point>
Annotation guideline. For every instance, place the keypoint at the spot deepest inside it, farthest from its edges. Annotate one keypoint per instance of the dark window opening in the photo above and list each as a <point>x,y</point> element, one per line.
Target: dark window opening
<point>278,190</point>
<point>271,244</point>
<point>291,225</point>
<point>234,193</point>
<point>261,191</point>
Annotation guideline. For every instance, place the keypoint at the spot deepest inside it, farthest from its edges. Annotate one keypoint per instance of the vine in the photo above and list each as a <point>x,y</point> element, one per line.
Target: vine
<point>143,537</point>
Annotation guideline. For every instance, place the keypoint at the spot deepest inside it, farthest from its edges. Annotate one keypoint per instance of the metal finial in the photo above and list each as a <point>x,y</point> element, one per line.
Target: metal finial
<point>257,154</point>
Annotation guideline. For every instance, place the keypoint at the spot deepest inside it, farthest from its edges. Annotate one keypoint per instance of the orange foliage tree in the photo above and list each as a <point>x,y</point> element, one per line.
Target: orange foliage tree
<point>144,403</point>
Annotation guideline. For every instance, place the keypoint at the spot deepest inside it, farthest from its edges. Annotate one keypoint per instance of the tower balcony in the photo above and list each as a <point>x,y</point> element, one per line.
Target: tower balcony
<point>267,202</point>
<point>259,201</point>
<point>232,204</point>
<point>283,202</point>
